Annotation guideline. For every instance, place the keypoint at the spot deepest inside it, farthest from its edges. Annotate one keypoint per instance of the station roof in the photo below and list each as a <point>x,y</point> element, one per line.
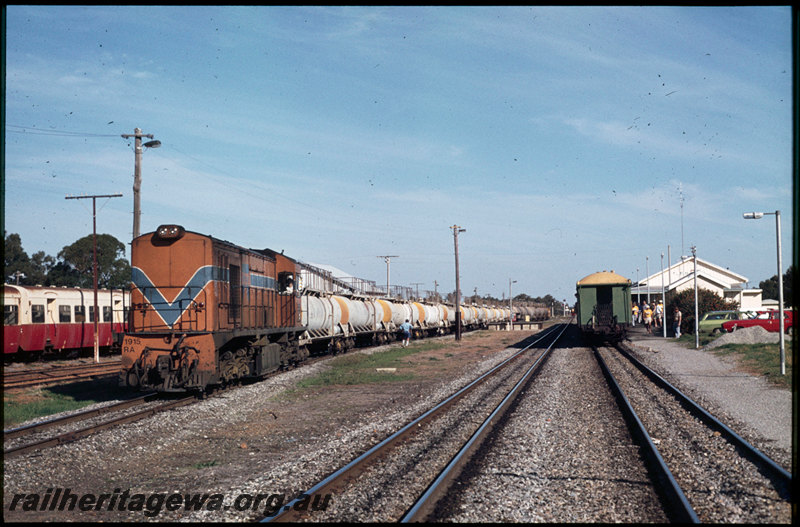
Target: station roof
<point>603,278</point>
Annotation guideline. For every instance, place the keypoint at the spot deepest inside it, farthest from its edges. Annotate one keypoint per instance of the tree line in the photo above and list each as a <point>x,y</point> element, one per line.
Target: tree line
<point>71,267</point>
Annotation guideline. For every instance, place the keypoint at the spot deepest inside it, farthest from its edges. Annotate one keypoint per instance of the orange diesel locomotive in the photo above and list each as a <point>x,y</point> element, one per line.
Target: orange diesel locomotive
<point>204,312</point>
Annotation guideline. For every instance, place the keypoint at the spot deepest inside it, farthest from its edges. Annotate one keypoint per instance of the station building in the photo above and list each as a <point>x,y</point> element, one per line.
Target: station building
<point>680,276</point>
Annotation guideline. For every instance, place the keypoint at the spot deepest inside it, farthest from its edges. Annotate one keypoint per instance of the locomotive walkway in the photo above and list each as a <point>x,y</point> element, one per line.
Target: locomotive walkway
<point>722,388</point>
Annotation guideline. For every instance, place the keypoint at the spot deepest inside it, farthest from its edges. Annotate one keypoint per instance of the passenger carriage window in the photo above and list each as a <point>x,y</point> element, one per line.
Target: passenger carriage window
<point>106,313</point>
<point>37,313</point>
<point>91,313</point>
<point>10,315</point>
<point>80,314</point>
<point>64,314</point>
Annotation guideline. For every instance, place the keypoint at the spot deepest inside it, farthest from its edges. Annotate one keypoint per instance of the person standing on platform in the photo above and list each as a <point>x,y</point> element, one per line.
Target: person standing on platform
<point>635,310</point>
<point>648,317</point>
<point>676,324</point>
<point>659,314</point>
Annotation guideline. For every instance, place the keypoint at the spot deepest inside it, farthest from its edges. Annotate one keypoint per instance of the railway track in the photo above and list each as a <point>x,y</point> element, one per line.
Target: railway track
<point>705,471</point>
<point>34,437</point>
<point>383,484</point>
<point>20,379</point>
<point>590,463</point>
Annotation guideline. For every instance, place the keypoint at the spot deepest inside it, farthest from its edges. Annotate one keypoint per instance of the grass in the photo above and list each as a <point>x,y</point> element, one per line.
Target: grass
<point>358,368</point>
<point>205,464</point>
<point>758,359</point>
<point>30,403</point>
<point>761,359</point>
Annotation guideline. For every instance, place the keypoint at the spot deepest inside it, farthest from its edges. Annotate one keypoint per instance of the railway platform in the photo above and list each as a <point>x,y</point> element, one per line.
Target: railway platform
<point>516,326</point>
<point>721,387</point>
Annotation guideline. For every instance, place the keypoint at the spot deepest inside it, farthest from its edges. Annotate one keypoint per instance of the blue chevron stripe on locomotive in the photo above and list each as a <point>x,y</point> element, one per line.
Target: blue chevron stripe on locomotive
<point>170,312</point>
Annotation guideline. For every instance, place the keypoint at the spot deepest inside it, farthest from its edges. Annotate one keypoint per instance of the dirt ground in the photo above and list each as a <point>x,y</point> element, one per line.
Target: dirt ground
<point>245,439</point>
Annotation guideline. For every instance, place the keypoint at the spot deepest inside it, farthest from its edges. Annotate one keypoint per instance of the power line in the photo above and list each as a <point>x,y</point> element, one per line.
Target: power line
<point>28,130</point>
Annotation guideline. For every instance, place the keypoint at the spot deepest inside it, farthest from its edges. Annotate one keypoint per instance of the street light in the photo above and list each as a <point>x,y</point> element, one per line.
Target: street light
<point>510,305</point>
<point>456,231</point>
<point>137,172</point>
<point>758,216</point>
<point>388,259</point>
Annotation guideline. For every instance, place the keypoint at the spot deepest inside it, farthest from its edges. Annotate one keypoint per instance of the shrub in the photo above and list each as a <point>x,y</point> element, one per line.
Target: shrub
<point>706,301</point>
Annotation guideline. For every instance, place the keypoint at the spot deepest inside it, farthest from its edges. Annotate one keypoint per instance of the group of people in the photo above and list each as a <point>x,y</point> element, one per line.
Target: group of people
<point>645,314</point>
<point>651,317</point>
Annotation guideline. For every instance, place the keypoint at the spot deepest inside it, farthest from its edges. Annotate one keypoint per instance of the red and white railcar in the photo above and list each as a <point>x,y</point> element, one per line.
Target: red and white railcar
<point>58,319</point>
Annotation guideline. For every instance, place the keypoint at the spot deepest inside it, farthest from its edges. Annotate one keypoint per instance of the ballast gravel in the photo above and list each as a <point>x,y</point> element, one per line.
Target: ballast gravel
<point>259,445</point>
<point>757,410</point>
<point>254,446</point>
<point>564,455</point>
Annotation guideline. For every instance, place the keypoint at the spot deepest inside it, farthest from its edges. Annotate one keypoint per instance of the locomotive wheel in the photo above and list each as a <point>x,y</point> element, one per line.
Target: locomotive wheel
<point>233,365</point>
<point>226,366</point>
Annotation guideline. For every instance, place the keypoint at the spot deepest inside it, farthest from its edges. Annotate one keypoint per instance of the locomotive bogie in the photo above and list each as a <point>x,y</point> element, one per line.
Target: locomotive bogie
<point>167,362</point>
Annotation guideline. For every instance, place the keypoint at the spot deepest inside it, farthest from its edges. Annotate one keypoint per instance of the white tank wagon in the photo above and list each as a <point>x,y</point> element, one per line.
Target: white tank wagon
<point>531,313</point>
<point>430,319</point>
<point>325,316</point>
<point>335,319</point>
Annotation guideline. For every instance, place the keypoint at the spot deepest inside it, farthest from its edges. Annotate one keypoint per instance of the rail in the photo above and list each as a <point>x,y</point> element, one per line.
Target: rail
<point>350,470</point>
<point>426,503</point>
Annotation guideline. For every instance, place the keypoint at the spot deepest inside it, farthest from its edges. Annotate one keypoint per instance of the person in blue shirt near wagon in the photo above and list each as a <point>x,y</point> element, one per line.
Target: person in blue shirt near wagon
<point>406,327</point>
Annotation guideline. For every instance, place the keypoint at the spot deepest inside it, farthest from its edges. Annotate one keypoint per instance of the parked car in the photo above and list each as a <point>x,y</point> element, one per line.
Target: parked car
<point>712,321</point>
<point>769,320</point>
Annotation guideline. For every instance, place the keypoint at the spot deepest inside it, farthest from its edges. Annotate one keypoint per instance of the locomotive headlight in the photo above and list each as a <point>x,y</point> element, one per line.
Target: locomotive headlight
<point>170,232</point>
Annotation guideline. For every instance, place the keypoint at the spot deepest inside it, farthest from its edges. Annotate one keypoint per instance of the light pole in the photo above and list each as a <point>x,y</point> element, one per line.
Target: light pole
<point>696,333</point>
<point>663,300</point>
<point>510,305</point>
<point>388,259</point>
<point>137,172</point>
<point>456,230</point>
<point>777,213</point>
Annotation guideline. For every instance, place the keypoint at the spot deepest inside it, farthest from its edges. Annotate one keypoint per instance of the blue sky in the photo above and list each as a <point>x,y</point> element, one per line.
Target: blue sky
<point>565,140</point>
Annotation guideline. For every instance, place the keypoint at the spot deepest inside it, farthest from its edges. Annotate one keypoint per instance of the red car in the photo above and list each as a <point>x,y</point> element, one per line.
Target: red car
<point>769,320</point>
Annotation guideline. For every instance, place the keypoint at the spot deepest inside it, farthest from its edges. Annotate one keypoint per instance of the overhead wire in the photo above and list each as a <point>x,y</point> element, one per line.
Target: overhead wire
<point>62,133</point>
